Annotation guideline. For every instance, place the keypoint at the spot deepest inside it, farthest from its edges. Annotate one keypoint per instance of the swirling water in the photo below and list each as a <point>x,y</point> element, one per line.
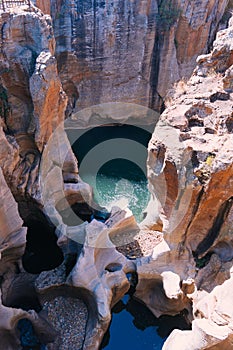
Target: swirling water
<point>112,159</point>
<point>122,180</point>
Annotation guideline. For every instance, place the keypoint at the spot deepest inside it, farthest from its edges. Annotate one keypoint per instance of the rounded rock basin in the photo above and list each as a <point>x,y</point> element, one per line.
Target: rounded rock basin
<point>133,326</point>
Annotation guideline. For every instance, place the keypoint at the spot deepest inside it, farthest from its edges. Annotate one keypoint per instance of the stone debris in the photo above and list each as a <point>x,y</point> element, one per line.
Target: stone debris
<point>69,317</point>
<point>142,244</point>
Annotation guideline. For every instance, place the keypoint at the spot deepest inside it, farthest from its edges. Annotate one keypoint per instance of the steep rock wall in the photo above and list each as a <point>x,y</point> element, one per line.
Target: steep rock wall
<point>190,169</point>
<point>131,51</point>
<point>190,157</point>
<point>33,102</point>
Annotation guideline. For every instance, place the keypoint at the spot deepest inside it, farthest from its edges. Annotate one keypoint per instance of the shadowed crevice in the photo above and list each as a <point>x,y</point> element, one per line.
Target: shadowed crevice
<point>216,228</point>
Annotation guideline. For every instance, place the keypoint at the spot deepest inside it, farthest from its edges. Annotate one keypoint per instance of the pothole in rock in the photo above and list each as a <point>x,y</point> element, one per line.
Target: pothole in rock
<point>42,252</point>
<point>28,338</point>
<point>112,159</point>
<point>68,316</point>
<point>133,326</point>
<point>142,244</point>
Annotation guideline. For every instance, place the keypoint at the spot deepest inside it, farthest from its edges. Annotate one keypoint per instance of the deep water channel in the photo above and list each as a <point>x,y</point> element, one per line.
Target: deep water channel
<point>112,159</point>
<point>118,178</point>
<point>113,164</point>
<point>133,326</point>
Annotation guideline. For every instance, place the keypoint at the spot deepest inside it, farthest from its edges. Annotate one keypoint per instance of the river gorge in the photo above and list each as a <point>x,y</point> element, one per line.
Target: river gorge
<point>116,175</point>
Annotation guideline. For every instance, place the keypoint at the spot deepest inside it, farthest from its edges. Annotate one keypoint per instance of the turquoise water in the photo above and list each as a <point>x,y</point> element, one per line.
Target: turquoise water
<point>120,181</point>
<point>123,179</point>
<point>116,167</point>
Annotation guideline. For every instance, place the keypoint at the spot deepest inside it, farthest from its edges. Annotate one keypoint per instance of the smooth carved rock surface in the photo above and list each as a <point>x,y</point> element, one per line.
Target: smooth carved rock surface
<point>190,169</point>
<point>32,99</point>
<point>106,277</point>
<point>98,276</point>
<point>12,234</point>
<point>190,158</point>
<point>161,292</point>
<point>212,325</point>
<point>129,52</point>
<point>12,245</point>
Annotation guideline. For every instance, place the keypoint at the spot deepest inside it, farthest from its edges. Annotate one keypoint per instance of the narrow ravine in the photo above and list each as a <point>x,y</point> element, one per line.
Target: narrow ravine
<point>121,181</point>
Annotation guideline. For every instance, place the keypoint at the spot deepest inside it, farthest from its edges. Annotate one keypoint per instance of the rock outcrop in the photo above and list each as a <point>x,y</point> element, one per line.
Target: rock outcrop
<point>131,52</point>
<point>12,245</point>
<point>32,100</point>
<point>12,234</point>
<point>190,177</point>
<point>191,149</point>
<point>212,326</point>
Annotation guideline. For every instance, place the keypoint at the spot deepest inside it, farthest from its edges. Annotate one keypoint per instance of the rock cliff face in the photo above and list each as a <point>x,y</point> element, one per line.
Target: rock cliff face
<point>12,245</point>
<point>190,178</point>
<point>197,154</point>
<point>131,51</point>
<point>32,99</point>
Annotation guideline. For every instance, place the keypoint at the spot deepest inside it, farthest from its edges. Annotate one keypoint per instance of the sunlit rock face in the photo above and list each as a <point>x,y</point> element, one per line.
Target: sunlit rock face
<point>104,50</point>
<point>133,52</point>
<point>190,177</point>
<point>33,101</point>
<point>129,51</point>
<point>44,5</point>
<point>190,155</point>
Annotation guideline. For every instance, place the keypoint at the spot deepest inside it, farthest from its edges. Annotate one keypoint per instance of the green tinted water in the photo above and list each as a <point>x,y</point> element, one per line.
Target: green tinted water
<point>120,181</point>
<point>122,177</point>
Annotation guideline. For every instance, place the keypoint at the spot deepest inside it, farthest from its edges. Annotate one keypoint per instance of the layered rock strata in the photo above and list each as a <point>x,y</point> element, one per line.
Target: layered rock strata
<point>131,52</point>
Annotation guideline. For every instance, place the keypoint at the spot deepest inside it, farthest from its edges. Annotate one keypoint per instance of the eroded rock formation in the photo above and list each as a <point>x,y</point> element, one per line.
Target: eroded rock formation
<point>129,52</point>
<point>190,178</point>
<point>32,100</point>
<point>136,55</point>
<point>13,241</point>
<point>32,107</point>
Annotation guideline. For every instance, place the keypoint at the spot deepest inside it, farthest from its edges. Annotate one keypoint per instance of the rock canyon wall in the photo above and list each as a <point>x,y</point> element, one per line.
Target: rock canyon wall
<point>129,51</point>
<point>190,171</point>
<point>95,52</point>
